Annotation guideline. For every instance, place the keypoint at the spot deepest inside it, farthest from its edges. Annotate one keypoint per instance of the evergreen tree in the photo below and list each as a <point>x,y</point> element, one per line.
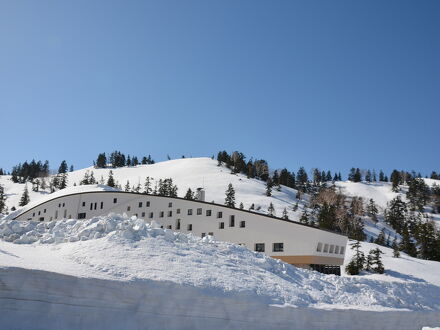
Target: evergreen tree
<point>101,162</point>
<point>110,180</point>
<point>357,175</point>
<point>36,185</point>
<point>418,194</point>
<point>63,181</point>
<point>395,246</point>
<point>24,200</point>
<point>376,261</point>
<point>381,176</point>
<point>302,179</point>
<point>352,174</point>
<point>92,179</point>
<point>189,194</point>
<point>127,186</point>
<point>381,238</point>
<point>372,210</point>
<point>406,244</point>
<point>241,206</point>
<point>2,199</point>
<point>285,215</point>
<point>128,161</point>
<point>395,215</point>
<point>328,177</point>
<point>147,186</point>
<point>230,196</point>
<point>63,167</point>
<point>269,187</point>
<point>368,176</point>
<point>395,180</point>
<point>86,179</point>
<point>304,217</point>
<point>356,264</point>
<point>71,168</point>
<point>271,210</point>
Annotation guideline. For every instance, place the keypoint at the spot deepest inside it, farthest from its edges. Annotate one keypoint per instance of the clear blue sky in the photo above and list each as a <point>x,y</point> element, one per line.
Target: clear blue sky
<point>328,84</point>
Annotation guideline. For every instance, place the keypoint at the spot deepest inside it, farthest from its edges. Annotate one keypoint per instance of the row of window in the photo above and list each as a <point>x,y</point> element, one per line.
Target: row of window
<point>330,248</point>
<point>276,247</point>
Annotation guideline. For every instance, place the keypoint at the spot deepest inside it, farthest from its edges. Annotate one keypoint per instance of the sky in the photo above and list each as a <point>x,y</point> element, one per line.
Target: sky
<point>327,84</point>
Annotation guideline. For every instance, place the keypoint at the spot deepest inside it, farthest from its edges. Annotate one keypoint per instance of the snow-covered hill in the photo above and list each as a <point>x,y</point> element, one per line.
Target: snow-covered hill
<point>111,251</point>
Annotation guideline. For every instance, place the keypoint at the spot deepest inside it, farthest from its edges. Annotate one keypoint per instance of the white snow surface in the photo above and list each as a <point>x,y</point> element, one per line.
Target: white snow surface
<point>127,249</point>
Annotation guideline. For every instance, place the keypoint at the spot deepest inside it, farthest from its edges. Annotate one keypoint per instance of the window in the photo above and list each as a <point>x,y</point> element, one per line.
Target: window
<point>211,234</point>
<point>83,204</point>
<point>135,215</point>
<point>278,247</point>
<point>161,214</point>
<point>64,204</point>
<point>242,224</point>
<point>336,249</point>
<point>219,215</point>
<point>203,235</point>
<point>199,211</point>
<point>33,214</point>
<point>102,205</point>
<point>319,247</point>
<point>332,248</point>
<point>189,227</point>
<point>81,215</point>
<point>232,221</point>
<point>342,250</point>
<point>128,208</point>
<point>148,204</point>
<point>169,227</point>
<point>170,213</point>
<point>326,248</point>
<point>39,212</point>
<point>259,247</point>
<point>56,214</point>
<point>59,205</point>
<point>221,225</point>
<point>170,204</point>
<point>178,224</point>
<point>140,204</point>
<point>151,215</point>
<point>44,211</point>
<point>190,211</point>
<point>143,214</point>
<point>178,211</point>
<point>115,200</point>
<point>41,219</point>
<point>65,213</point>
<point>208,213</point>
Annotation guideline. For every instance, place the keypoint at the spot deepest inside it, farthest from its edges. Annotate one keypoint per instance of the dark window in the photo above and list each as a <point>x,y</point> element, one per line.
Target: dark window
<point>115,200</point>
<point>161,214</point>
<point>136,215</point>
<point>211,234</point>
<point>219,215</point>
<point>64,204</point>
<point>148,204</point>
<point>169,227</point>
<point>170,213</point>
<point>190,227</point>
<point>208,213</point>
<point>278,247</point>
<point>41,219</point>
<point>102,205</point>
<point>199,211</point>
<point>91,206</point>
<point>190,211</point>
<point>81,215</point>
<point>59,205</point>
<point>178,224</point>
<point>178,211</point>
<point>259,247</point>
<point>242,224</point>
<point>96,205</point>
<point>140,204</point>
<point>39,212</point>
<point>221,225</point>
<point>128,208</point>
<point>203,235</point>
<point>33,214</point>
<point>44,210</point>
<point>326,248</point>
<point>170,204</point>
<point>319,247</point>
<point>232,221</point>
<point>143,214</point>
<point>84,204</point>
<point>151,215</point>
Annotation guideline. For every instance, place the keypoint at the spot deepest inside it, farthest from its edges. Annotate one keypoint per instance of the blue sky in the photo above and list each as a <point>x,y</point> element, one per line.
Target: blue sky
<point>328,84</point>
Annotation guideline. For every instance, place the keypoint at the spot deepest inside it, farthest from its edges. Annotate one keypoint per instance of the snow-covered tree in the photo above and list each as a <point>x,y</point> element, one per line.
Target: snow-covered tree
<point>230,196</point>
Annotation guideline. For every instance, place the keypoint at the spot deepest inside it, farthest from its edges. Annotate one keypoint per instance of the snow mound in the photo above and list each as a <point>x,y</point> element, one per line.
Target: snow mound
<point>72,230</point>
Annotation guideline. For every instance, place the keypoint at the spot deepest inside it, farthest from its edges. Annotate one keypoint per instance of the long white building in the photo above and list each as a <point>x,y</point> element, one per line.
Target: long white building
<point>290,241</point>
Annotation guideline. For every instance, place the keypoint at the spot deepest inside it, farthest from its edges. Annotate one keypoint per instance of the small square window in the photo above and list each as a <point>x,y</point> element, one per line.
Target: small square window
<point>161,214</point>
<point>219,215</point>
<point>190,211</point>
<point>208,213</point>
<point>319,247</point>
<point>115,200</point>
<point>170,204</point>
<point>128,208</point>
<point>259,247</point>
<point>221,225</point>
<point>143,214</point>
<point>170,213</point>
<point>332,248</point>
<point>147,204</point>
<point>140,204</point>
<point>81,215</point>
<point>211,234</point>
<point>151,215</point>
<point>242,224</point>
<point>83,204</point>
<point>199,211</point>
<point>178,211</point>
<point>203,235</point>
<point>278,247</point>
<point>190,227</point>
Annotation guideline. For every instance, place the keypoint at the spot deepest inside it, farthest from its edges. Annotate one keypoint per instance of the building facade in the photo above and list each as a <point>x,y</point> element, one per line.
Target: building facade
<point>290,241</point>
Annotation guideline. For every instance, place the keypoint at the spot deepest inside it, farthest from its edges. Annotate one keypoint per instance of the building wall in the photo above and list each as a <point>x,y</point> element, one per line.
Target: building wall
<point>300,242</point>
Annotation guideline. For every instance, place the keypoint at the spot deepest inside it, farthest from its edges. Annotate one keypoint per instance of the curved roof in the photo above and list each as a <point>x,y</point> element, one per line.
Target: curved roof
<point>60,193</point>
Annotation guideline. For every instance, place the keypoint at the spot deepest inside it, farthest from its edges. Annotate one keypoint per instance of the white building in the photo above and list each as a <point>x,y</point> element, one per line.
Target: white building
<point>290,241</point>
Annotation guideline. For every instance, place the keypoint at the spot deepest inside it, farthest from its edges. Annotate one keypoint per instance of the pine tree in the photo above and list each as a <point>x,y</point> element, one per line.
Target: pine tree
<point>127,186</point>
<point>372,210</point>
<point>376,261</point>
<point>381,176</point>
<point>101,162</point>
<point>271,210</point>
<point>230,196</point>
<point>395,215</point>
<point>395,180</point>
<point>147,186</point>
<point>406,244</point>
<point>381,238</point>
<point>269,187</point>
<point>252,207</point>
<point>356,264</point>
<point>189,194</point>
<point>24,200</point>
<point>304,217</point>
<point>92,179</point>
<point>2,199</point>
<point>110,180</point>
<point>395,246</point>
<point>285,215</point>
<point>63,181</point>
<point>63,167</point>
<point>241,206</point>
<point>71,168</point>
<point>86,179</point>
<point>295,207</point>
<point>368,176</point>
